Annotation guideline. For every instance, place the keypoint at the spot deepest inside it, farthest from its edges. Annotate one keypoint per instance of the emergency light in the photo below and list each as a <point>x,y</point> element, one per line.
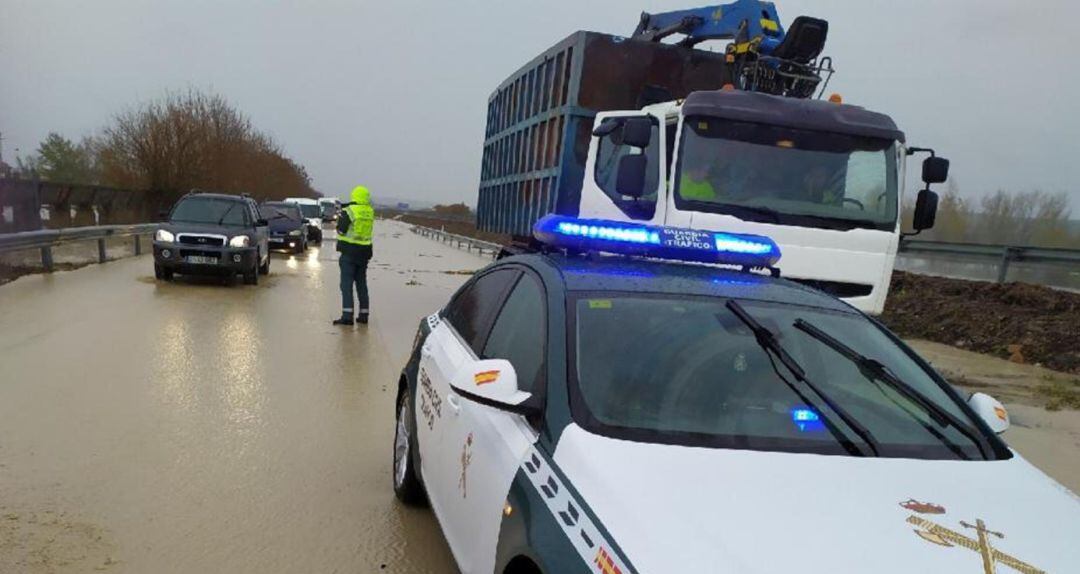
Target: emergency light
<point>661,242</point>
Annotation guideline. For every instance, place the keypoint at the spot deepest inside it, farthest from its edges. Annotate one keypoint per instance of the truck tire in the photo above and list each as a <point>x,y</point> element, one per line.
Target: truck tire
<point>407,486</point>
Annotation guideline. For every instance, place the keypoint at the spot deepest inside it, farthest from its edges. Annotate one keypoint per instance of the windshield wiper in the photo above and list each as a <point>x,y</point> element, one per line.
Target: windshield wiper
<point>227,211</point>
<point>768,341</point>
<point>875,370</point>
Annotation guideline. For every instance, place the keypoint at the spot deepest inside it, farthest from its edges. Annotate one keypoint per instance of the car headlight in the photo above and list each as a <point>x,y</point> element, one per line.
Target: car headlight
<point>294,232</point>
<point>164,236</point>
<point>240,241</point>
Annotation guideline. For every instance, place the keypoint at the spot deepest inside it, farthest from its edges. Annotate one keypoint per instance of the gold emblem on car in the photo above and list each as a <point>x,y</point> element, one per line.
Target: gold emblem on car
<point>940,535</point>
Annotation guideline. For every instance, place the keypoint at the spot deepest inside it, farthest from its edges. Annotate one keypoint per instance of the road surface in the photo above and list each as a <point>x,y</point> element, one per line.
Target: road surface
<point>192,427</point>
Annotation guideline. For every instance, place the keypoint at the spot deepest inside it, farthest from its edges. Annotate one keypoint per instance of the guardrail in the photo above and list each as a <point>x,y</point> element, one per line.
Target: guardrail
<point>1004,254</point>
<point>459,241</point>
<point>46,239</point>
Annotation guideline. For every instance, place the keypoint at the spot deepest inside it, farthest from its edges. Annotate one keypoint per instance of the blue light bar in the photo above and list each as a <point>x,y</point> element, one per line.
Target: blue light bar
<point>806,419</point>
<point>661,242</point>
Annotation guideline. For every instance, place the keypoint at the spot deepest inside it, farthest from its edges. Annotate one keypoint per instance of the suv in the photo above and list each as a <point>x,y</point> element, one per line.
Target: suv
<point>213,234</point>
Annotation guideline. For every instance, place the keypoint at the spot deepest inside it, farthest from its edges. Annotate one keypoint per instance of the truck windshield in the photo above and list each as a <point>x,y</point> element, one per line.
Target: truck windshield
<point>686,370</point>
<point>310,209</point>
<point>787,176</point>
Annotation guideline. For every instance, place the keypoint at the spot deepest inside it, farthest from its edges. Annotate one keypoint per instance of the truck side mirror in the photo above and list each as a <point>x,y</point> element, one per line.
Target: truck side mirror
<point>630,180</point>
<point>606,127</point>
<point>925,209</point>
<point>637,132</point>
<point>935,170</point>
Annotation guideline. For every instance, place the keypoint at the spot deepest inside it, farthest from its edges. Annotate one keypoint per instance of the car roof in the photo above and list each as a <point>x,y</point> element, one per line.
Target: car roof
<point>211,195</point>
<point>637,275</point>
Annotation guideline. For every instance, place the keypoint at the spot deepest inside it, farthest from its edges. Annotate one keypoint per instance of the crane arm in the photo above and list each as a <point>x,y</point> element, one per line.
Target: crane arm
<point>742,21</point>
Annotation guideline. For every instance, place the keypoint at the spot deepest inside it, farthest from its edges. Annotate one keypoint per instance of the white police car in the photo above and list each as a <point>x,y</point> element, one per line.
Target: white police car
<point>571,414</point>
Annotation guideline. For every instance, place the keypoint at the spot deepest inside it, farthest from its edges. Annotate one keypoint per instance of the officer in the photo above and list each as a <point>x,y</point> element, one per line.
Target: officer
<point>354,228</point>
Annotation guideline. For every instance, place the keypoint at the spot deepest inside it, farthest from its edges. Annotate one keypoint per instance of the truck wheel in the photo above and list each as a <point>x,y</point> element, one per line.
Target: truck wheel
<point>265,269</point>
<point>407,487</point>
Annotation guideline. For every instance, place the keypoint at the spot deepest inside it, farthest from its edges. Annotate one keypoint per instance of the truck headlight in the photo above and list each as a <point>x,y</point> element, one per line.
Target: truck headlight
<point>240,241</point>
<point>164,236</point>
<point>294,232</point>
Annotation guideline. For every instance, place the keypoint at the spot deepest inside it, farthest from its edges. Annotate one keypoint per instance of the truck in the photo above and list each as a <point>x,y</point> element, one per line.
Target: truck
<point>647,130</point>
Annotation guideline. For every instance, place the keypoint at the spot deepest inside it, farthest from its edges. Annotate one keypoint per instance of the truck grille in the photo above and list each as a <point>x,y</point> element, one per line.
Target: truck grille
<point>200,239</point>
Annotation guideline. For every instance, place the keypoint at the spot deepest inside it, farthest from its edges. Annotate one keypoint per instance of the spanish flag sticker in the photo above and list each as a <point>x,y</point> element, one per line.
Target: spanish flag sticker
<point>486,377</point>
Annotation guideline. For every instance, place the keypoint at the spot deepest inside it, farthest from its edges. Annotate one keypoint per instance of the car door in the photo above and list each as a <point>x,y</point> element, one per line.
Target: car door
<point>495,440</point>
<point>262,232</point>
<point>442,434</point>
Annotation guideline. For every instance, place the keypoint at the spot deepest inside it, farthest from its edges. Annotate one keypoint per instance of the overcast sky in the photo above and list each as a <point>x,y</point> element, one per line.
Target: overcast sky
<point>393,94</point>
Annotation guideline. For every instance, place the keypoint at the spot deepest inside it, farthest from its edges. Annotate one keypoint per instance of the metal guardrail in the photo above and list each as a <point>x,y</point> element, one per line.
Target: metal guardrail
<point>1004,254</point>
<point>459,241</point>
<point>46,239</point>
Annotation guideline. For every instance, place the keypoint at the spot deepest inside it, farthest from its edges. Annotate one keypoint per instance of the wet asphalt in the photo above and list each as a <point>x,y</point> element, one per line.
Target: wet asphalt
<point>194,427</point>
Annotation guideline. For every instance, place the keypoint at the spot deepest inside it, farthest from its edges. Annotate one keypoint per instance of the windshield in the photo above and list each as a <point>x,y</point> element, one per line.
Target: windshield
<point>789,176</point>
<point>309,209</point>
<point>687,371</point>
<point>279,210</point>
<point>210,210</point>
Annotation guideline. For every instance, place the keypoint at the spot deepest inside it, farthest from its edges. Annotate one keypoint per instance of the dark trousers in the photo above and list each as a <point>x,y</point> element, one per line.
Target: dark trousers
<point>353,272</point>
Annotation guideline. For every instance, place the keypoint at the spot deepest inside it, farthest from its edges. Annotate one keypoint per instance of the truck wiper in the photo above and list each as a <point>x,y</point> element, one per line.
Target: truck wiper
<point>768,341</point>
<point>875,370</point>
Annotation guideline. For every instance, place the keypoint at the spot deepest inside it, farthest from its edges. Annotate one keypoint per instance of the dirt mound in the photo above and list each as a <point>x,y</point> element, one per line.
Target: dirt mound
<point>988,318</point>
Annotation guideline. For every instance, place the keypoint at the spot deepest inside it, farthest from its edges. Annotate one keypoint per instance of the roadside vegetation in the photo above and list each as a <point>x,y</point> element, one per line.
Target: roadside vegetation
<point>169,146</point>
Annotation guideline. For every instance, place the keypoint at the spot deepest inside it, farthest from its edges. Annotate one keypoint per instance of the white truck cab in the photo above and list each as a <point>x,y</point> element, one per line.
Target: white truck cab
<point>821,178</point>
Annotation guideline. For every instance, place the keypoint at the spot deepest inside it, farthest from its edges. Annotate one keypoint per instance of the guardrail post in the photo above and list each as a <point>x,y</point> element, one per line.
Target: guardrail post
<point>1003,267</point>
<point>101,250</point>
<point>138,244</point>
<point>46,259</point>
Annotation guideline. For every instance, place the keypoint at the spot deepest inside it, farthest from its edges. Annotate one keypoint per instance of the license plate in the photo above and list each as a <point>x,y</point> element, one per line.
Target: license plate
<point>200,260</point>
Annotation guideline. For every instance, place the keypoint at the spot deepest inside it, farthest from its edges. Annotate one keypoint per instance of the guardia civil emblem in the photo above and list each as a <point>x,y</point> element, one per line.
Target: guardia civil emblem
<point>983,542</point>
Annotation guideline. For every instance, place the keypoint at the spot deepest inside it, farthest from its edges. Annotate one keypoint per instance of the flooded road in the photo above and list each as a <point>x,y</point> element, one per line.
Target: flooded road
<point>192,427</point>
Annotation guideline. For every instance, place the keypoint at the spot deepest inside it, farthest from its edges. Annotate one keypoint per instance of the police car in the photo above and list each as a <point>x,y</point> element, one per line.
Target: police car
<point>570,412</point>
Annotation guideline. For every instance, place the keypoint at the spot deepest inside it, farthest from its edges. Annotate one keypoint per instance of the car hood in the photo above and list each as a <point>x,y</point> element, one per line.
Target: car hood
<point>209,229</point>
<point>684,509</point>
<point>285,224</point>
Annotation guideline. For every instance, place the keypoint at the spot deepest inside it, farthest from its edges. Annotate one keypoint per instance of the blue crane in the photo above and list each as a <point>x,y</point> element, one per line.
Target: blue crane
<point>763,56</point>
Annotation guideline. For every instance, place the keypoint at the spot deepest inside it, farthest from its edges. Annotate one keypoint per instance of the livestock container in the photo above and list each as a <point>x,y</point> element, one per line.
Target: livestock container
<point>540,119</point>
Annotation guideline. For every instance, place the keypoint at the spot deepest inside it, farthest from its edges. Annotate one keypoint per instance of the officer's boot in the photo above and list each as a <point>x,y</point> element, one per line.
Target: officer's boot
<point>346,318</point>
<point>362,317</point>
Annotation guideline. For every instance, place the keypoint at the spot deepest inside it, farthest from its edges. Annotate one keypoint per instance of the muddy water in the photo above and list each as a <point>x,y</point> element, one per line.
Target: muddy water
<point>191,427</point>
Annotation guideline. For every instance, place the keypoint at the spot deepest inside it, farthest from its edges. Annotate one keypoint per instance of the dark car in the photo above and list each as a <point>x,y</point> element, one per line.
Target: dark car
<point>287,225</point>
<point>213,234</point>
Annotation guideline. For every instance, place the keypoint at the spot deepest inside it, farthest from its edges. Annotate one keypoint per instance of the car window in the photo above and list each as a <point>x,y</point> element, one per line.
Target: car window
<point>519,331</point>
<point>211,211</point>
<point>688,371</point>
<point>473,308</point>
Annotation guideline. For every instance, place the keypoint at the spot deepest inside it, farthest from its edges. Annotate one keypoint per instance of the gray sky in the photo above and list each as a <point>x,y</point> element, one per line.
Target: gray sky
<point>393,94</point>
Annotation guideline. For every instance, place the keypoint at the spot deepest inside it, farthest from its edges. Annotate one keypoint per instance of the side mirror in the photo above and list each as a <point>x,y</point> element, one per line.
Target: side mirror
<point>935,170</point>
<point>637,132</point>
<point>260,222</point>
<point>492,382</point>
<point>630,179</point>
<point>925,210</point>
<point>163,215</point>
<point>606,127</point>
<point>991,411</point>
